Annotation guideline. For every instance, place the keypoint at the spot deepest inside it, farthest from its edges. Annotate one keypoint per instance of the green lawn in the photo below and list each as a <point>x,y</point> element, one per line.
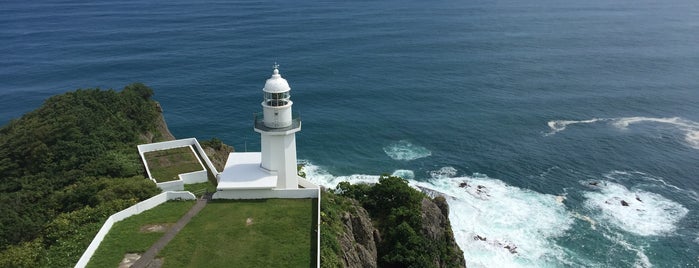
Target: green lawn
<point>165,165</point>
<point>246,233</point>
<point>126,236</point>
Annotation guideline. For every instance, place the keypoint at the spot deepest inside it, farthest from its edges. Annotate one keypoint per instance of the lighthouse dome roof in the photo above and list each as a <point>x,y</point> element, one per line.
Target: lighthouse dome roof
<point>276,84</point>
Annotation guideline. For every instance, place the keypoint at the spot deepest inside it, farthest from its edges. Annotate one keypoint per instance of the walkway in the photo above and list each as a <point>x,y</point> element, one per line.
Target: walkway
<point>147,258</point>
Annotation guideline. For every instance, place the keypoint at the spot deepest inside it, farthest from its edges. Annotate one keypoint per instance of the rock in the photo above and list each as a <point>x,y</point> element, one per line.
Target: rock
<point>436,227</point>
<point>218,157</point>
<point>463,184</point>
<point>358,241</point>
<point>639,199</point>
<point>624,203</point>
<point>594,183</point>
<point>481,238</point>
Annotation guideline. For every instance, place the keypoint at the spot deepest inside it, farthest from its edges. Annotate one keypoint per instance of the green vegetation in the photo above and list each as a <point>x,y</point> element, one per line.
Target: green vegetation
<point>201,188</point>
<point>165,165</point>
<point>66,167</point>
<point>130,236</point>
<point>331,208</point>
<point>395,209</point>
<point>246,234</point>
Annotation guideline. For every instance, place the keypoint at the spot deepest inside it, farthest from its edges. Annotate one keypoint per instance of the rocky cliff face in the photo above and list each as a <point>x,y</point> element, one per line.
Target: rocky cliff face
<point>360,238</point>
<point>161,133</point>
<point>218,156</point>
<point>436,227</point>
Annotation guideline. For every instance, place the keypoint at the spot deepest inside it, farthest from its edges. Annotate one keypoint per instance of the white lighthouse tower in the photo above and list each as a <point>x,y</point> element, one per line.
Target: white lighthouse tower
<point>277,127</point>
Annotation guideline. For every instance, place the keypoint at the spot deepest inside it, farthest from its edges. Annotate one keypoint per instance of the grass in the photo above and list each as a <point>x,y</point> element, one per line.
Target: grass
<point>126,237</point>
<point>246,233</point>
<point>165,165</point>
<point>199,189</point>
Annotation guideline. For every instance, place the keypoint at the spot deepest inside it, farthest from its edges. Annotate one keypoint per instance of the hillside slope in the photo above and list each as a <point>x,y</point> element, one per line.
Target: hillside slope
<point>67,166</point>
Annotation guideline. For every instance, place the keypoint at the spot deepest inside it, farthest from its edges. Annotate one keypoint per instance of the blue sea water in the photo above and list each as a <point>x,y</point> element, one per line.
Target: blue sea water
<point>558,110</point>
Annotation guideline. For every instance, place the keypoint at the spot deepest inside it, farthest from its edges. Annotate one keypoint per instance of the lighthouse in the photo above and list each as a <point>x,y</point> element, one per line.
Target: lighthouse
<point>277,127</point>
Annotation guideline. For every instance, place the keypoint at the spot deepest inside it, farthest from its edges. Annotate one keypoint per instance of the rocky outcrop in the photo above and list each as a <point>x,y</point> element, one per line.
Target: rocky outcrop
<point>436,227</point>
<point>218,156</point>
<point>161,133</point>
<point>359,238</point>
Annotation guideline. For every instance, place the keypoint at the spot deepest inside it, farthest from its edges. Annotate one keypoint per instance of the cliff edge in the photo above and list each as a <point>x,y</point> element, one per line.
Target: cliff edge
<point>388,224</point>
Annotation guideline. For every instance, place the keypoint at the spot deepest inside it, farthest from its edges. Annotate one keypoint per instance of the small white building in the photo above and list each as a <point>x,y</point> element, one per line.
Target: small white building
<point>271,173</point>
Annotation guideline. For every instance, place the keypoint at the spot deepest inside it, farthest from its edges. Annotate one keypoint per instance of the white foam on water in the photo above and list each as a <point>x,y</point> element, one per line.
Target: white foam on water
<point>593,224</point>
<point>641,261</point>
<point>643,180</point>
<point>404,173</point>
<point>444,172</point>
<point>504,215</point>
<point>560,125</point>
<point>690,128</point>
<point>406,151</point>
<point>634,210</point>
<point>321,177</point>
<point>518,225</point>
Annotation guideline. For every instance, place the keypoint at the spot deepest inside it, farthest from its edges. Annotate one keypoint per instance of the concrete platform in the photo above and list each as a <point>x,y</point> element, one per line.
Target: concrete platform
<point>243,171</point>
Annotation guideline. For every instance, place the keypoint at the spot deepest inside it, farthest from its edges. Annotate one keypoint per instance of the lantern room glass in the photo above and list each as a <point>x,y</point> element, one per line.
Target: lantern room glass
<point>277,99</point>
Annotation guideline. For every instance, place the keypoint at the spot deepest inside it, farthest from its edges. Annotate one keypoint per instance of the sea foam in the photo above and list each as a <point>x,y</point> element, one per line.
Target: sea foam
<point>499,225</point>
<point>405,150</point>
<point>404,173</point>
<point>641,260</point>
<point>688,127</point>
<point>634,210</point>
<point>518,226</point>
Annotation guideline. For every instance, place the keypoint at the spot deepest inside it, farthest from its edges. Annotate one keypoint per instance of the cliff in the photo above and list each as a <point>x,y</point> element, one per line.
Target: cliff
<point>359,232</point>
<point>360,238</point>
<point>160,131</point>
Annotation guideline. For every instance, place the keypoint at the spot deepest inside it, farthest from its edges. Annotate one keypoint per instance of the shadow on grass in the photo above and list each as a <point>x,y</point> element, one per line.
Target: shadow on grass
<point>314,233</point>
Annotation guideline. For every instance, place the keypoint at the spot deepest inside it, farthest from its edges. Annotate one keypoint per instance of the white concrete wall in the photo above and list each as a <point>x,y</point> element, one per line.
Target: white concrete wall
<point>266,193</point>
<point>307,184</point>
<point>185,178</point>
<point>176,185</point>
<point>194,177</point>
<point>128,212</point>
<point>143,148</point>
<point>318,231</point>
<point>208,162</point>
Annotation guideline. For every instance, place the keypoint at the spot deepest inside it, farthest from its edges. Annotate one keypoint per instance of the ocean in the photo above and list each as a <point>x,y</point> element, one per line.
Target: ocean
<point>566,129</point>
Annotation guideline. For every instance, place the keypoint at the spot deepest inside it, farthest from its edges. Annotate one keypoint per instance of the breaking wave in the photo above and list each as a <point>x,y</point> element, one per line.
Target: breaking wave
<point>404,173</point>
<point>634,210</point>
<point>406,151</point>
<point>495,224</point>
<point>690,128</point>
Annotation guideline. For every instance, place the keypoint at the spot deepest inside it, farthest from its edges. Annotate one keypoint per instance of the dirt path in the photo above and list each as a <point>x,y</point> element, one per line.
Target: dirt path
<point>147,258</point>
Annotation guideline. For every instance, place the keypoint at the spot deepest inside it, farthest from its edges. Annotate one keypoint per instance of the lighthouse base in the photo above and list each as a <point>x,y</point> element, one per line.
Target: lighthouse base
<point>244,178</point>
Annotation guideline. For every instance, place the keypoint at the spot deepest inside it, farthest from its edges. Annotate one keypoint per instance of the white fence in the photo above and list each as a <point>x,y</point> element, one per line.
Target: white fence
<point>265,193</point>
<point>185,178</point>
<point>128,212</point>
<point>194,177</point>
